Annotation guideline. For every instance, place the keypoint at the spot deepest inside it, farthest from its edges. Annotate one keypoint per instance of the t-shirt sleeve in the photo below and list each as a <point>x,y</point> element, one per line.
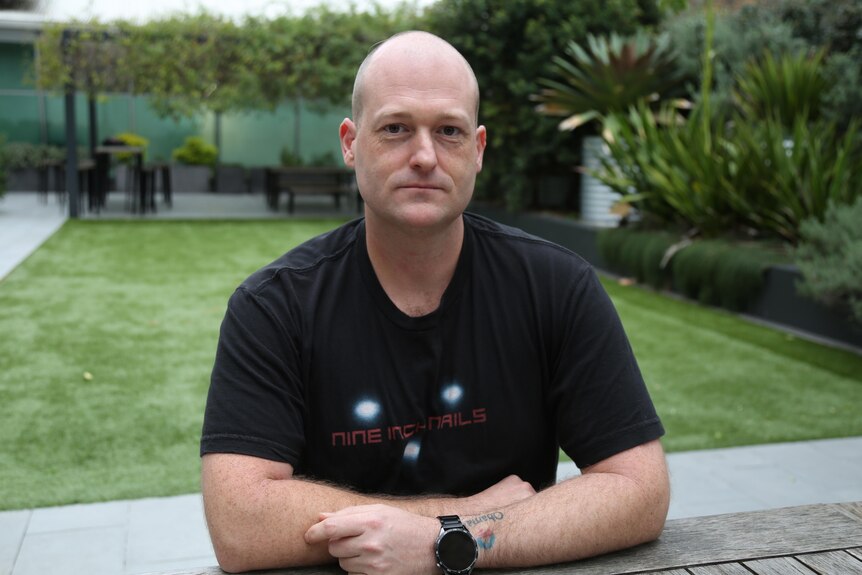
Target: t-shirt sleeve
<point>598,396</point>
<point>255,403</point>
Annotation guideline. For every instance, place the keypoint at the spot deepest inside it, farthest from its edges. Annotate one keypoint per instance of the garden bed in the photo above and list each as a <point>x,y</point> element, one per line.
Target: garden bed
<point>778,302</point>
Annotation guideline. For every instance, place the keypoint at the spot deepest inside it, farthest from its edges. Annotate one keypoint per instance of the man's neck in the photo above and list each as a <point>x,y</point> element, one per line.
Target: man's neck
<point>415,268</point>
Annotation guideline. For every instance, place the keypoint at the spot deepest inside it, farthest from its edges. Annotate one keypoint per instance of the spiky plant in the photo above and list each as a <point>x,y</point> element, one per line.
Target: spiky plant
<point>608,75</point>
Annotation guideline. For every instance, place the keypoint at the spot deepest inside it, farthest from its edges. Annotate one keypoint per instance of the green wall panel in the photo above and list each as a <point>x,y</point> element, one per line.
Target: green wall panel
<point>19,119</point>
<point>16,62</point>
<point>257,138</point>
<point>254,138</point>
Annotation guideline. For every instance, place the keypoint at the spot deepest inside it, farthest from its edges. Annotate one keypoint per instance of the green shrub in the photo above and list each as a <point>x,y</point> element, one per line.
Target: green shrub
<point>195,151</point>
<point>833,23</point>
<point>749,174</point>
<point>842,103</point>
<point>783,181</point>
<point>829,256</point>
<point>721,273</point>
<point>693,270</point>
<point>324,159</point>
<point>134,140</point>
<point>24,155</point>
<point>790,87</point>
<point>674,171</point>
<point>632,252</point>
<point>737,37</point>
<point>779,27</point>
<point>606,75</point>
<point>289,159</point>
<point>724,273</point>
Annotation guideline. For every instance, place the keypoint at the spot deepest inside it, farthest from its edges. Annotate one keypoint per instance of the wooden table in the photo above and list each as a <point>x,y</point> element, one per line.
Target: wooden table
<point>809,540</point>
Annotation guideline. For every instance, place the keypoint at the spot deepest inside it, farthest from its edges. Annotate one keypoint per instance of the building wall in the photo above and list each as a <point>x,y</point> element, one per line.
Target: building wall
<point>253,138</point>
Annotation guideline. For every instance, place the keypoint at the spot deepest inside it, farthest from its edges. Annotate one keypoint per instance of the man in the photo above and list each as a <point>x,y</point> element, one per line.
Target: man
<point>424,362</point>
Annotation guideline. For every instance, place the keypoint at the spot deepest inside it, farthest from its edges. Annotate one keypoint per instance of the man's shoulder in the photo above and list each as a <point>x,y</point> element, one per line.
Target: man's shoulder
<point>308,257</point>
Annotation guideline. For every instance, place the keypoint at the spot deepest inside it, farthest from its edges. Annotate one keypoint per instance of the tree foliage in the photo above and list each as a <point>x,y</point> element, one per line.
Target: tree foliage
<point>778,27</point>
<point>190,63</point>
<point>510,46</point>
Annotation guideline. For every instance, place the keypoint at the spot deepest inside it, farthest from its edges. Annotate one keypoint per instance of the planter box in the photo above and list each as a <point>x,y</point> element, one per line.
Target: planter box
<point>256,180</point>
<point>778,302</point>
<point>190,178</point>
<point>230,180</point>
<point>23,180</point>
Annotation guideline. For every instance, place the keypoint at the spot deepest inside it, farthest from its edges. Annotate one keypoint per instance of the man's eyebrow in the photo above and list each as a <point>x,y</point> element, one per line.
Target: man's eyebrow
<point>398,114</point>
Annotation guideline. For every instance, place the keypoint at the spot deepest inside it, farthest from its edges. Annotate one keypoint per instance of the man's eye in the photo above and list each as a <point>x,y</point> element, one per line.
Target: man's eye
<point>393,128</point>
<point>450,131</point>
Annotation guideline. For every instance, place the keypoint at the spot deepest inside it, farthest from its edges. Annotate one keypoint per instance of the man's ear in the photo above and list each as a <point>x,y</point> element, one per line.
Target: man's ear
<point>347,135</point>
<point>481,141</point>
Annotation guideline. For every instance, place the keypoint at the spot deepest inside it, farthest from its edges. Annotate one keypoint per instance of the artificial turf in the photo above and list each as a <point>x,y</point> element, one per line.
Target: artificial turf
<point>109,332</point>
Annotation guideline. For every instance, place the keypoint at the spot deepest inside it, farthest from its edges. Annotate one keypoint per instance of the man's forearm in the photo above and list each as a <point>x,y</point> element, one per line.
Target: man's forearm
<point>265,526</point>
<point>589,515</point>
<point>258,519</point>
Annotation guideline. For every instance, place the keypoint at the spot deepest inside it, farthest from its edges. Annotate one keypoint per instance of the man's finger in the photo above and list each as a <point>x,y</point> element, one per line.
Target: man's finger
<point>333,528</point>
<point>356,510</point>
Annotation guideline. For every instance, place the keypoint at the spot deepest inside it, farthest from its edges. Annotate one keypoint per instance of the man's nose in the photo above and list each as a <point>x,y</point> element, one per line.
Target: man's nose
<point>424,155</point>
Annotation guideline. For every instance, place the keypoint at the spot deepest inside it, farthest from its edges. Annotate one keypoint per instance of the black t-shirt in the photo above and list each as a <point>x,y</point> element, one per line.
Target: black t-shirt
<point>318,368</point>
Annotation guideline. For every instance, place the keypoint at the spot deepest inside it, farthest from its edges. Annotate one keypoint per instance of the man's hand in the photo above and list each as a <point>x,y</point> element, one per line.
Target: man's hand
<point>505,492</point>
<point>376,539</point>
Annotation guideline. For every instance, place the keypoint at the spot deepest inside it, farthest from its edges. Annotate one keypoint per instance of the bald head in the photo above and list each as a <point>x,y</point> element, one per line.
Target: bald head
<point>419,49</point>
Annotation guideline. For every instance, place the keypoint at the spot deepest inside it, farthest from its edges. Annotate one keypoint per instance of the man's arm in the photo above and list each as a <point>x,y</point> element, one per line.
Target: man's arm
<point>258,513</point>
<point>617,503</point>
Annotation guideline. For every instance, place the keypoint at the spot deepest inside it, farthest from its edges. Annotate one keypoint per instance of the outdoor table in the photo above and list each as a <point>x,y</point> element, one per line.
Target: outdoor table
<point>821,539</point>
<point>103,165</point>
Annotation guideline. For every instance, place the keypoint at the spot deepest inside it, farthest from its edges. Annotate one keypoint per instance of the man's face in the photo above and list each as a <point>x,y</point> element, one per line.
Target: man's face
<point>416,148</point>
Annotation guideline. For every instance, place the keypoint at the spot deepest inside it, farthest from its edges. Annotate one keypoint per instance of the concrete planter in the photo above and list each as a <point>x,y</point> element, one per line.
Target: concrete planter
<point>230,180</point>
<point>256,180</point>
<point>22,180</point>
<point>185,178</point>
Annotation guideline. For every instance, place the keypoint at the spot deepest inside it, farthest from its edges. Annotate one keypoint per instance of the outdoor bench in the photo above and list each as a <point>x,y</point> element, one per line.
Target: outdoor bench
<point>332,181</point>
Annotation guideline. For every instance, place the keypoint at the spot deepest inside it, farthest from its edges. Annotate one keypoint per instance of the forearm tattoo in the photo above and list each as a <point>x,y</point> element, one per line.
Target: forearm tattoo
<point>485,536</point>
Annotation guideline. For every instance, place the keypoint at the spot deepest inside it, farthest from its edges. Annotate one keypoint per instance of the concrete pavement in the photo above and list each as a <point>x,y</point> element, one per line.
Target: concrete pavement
<point>26,221</point>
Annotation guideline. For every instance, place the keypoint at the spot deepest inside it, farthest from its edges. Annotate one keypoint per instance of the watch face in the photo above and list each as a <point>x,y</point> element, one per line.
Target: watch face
<point>456,550</point>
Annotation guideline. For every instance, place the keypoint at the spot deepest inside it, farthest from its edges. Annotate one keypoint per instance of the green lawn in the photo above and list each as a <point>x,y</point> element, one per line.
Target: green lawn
<point>109,333</point>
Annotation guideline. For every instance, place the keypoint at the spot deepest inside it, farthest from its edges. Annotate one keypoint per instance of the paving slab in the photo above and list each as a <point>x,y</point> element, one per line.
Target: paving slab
<point>167,531</point>
<point>97,551</point>
<point>13,526</point>
<point>26,221</point>
<point>89,516</point>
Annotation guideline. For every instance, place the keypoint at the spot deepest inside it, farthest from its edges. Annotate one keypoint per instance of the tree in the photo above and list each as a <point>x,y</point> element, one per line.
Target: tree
<point>510,46</point>
<point>189,64</point>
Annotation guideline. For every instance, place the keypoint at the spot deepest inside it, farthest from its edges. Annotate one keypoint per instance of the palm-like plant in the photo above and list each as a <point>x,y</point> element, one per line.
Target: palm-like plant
<point>791,87</point>
<point>608,75</point>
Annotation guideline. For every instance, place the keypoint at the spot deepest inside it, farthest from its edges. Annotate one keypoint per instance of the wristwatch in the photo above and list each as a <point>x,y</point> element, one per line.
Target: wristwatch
<point>455,548</point>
